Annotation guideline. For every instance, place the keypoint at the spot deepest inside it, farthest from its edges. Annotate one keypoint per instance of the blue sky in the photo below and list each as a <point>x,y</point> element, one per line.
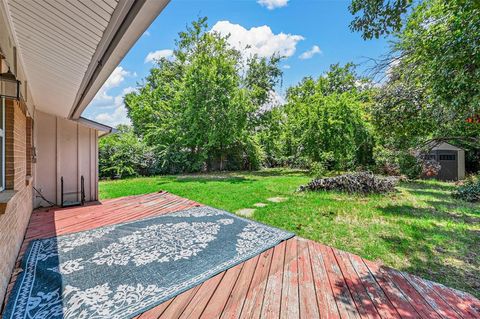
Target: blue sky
<point>313,34</point>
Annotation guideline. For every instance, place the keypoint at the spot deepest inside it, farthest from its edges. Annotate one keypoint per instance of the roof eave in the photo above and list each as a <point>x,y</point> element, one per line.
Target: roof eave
<point>103,129</point>
<point>130,21</point>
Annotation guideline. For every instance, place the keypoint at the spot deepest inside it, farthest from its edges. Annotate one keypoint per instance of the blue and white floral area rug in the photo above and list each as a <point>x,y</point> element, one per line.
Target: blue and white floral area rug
<point>123,270</point>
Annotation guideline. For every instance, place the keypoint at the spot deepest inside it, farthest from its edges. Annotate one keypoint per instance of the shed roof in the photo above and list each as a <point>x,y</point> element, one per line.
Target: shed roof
<point>446,146</point>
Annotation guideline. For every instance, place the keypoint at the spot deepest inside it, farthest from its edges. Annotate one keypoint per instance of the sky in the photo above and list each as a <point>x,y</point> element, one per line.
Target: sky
<point>311,34</point>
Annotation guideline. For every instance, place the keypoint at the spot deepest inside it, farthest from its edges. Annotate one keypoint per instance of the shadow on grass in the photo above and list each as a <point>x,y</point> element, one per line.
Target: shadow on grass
<point>213,178</point>
<point>438,195</point>
<point>279,173</point>
<point>427,185</point>
<point>434,213</point>
<point>454,262</point>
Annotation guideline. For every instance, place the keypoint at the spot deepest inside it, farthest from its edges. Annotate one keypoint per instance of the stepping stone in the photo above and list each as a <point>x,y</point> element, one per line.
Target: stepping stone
<point>247,212</point>
<point>277,199</point>
<point>259,204</point>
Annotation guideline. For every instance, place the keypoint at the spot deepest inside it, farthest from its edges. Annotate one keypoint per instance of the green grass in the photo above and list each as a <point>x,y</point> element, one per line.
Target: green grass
<point>420,228</point>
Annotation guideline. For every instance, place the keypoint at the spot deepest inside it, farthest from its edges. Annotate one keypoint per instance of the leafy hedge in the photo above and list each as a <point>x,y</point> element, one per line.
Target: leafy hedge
<point>470,190</point>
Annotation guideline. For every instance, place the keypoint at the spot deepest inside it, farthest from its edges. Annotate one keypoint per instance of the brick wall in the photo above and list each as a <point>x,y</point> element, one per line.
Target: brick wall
<point>14,221</point>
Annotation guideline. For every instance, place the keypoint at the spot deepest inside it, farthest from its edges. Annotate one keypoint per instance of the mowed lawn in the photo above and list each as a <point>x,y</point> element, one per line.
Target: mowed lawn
<point>420,228</point>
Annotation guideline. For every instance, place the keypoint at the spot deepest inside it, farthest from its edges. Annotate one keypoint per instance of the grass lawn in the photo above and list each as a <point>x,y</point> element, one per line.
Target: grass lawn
<point>420,228</point>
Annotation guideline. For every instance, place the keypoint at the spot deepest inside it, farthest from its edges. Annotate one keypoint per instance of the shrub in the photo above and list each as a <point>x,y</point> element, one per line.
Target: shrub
<point>470,190</point>
<point>430,168</point>
<point>317,169</point>
<point>386,161</point>
<point>123,154</point>
<point>362,182</point>
<point>410,166</point>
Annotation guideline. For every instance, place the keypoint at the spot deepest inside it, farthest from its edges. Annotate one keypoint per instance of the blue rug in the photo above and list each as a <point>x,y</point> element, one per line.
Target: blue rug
<point>123,270</point>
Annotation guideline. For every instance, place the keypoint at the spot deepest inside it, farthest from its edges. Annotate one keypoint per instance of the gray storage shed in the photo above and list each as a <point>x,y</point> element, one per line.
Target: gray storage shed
<point>451,159</point>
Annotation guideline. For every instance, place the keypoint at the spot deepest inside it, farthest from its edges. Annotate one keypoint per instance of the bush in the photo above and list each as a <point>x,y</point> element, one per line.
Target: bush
<point>123,154</point>
<point>430,168</point>
<point>410,166</point>
<point>470,190</point>
<point>386,161</point>
<point>317,170</point>
<point>362,182</point>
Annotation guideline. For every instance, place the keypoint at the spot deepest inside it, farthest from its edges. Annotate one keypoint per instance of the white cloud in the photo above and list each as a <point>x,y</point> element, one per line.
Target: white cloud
<point>286,66</point>
<point>272,4</point>
<point>310,53</point>
<point>258,40</point>
<point>274,99</point>
<point>104,100</point>
<point>119,114</point>
<point>155,55</point>
<point>114,80</point>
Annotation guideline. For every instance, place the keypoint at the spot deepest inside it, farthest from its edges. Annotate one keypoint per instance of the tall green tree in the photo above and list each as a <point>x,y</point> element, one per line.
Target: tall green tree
<point>376,18</point>
<point>123,154</point>
<point>198,110</point>
<point>434,71</point>
<point>326,120</point>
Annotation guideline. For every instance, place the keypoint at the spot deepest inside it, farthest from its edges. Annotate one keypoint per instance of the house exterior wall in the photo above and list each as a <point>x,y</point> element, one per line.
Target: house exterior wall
<point>16,200</point>
<point>65,149</point>
<point>15,215</point>
<point>12,58</point>
<point>39,148</point>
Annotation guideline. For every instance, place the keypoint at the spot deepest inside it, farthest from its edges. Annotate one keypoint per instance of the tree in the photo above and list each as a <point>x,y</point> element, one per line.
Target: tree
<point>439,50</point>
<point>432,89</point>
<point>199,109</point>
<point>123,154</point>
<point>325,120</point>
<point>376,18</point>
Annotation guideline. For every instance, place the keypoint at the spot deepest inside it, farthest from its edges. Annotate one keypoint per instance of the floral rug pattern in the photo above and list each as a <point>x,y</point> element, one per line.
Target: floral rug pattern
<point>123,270</point>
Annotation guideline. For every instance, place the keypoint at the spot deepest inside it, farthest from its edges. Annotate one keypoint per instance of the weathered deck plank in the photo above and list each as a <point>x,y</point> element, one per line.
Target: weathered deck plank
<point>289,302</point>
<point>296,279</point>
<point>326,300</point>
<point>235,302</point>
<point>308,304</point>
<point>256,291</point>
<point>364,304</point>
<point>273,292</point>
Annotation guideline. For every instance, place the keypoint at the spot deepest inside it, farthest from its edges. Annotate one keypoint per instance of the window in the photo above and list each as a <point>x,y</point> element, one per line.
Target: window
<point>447,157</point>
<point>2,144</point>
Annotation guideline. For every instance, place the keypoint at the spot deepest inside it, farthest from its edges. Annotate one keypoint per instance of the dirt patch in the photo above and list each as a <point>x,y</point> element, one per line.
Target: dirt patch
<point>259,204</point>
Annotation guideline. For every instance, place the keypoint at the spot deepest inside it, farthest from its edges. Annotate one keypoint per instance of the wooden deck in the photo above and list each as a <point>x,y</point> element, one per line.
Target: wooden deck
<point>296,279</point>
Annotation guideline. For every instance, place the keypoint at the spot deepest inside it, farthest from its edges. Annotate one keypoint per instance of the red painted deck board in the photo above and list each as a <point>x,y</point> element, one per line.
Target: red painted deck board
<point>290,308</point>
<point>295,279</point>
<point>273,292</point>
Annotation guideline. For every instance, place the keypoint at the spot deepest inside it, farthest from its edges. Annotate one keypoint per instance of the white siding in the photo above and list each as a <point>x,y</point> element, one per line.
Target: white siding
<point>64,148</point>
<point>57,40</point>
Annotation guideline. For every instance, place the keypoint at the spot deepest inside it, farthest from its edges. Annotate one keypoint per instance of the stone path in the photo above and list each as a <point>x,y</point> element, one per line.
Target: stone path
<point>247,212</point>
<point>277,199</point>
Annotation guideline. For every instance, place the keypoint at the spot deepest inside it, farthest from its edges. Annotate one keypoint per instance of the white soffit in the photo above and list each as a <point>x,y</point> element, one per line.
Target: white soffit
<point>69,47</point>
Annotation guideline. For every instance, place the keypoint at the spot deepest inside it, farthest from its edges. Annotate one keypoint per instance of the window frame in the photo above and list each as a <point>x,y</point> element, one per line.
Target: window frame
<point>447,157</point>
